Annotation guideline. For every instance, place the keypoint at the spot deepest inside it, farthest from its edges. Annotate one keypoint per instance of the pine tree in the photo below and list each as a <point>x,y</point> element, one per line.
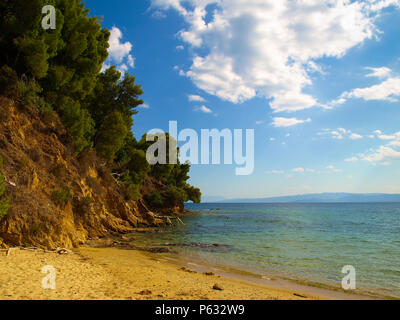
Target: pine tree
<point>111,136</point>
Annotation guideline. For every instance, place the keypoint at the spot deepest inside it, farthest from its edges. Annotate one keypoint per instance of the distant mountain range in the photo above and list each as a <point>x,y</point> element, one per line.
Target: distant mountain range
<point>320,198</point>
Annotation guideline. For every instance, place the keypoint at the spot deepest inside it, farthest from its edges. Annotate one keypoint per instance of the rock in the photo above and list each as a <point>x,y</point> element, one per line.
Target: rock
<point>62,251</point>
<point>217,287</point>
<point>145,292</point>
<point>158,250</point>
<point>209,273</point>
<point>187,270</point>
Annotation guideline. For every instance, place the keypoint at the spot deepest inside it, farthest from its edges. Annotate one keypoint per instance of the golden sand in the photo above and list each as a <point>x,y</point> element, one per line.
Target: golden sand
<point>120,274</point>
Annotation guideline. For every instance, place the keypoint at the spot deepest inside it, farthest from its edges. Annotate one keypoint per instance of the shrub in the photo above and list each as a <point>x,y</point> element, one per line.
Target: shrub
<point>193,193</point>
<point>61,197</point>
<point>154,199</point>
<point>132,187</point>
<point>175,196</point>
<point>47,113</point>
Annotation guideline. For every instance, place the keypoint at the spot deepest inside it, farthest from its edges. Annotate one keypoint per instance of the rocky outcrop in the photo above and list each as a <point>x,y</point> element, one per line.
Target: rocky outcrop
<point>58,200</point>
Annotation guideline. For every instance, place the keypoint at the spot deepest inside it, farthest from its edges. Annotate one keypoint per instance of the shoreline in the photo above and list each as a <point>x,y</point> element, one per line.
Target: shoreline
<point>118,274</point>
<point>300,287</point>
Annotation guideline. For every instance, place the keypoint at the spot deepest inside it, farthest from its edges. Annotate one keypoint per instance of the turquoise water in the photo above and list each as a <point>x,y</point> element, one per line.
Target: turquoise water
<point>305,242</point>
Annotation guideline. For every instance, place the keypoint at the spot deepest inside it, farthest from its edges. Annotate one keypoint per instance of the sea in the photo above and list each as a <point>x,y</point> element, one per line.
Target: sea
<point>306,243</point>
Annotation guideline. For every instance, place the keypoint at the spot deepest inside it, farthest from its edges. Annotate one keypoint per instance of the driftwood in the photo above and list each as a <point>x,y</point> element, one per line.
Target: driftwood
<point>169,218</point>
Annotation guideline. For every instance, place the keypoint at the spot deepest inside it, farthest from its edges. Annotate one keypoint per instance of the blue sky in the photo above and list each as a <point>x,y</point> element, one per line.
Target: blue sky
<point>319,81</point>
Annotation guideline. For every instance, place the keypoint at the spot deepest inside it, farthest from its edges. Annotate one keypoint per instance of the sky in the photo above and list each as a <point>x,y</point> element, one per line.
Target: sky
<point>318,81</point>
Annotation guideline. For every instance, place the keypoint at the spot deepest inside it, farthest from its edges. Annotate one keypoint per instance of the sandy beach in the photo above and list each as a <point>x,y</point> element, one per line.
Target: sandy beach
<point>116,274</point>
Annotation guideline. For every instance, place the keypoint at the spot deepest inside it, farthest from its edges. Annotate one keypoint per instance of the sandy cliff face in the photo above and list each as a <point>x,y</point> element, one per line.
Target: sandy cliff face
<point>57,198</point>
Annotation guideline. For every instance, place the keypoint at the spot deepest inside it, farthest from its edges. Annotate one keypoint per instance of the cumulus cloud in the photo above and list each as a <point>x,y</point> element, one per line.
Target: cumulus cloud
<point>119,52</point>
<point>388,90</point>
<point>268,48</point>
<point>385,154</point>
<point>287,122</point>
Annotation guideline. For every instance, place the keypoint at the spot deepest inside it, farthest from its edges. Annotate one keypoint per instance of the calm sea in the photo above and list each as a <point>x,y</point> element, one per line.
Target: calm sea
<point>304,242</point>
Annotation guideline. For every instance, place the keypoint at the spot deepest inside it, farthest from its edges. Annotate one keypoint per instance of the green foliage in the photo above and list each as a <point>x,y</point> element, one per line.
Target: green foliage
<point>154,199</point>
<point>132,188</point>
<point>61,197</point>
<point>193,194</point>
<point>64,62</point>
<point>58,71</point>
<point>137,170</point>
<point>78,122</point>
<point>23,90</point>
<point>113,94</point>
<point>111,136</point>
<point>174,196</point>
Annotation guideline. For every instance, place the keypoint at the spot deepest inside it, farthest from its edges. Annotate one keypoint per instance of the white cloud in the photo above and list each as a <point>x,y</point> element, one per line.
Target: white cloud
<point>299,170</point>
<point>268,48</point>
<point>355,136</point>
<point>333,169</point>
<point>193,97</point>
<point>180,48</point>
<point>352,159</point>
<point>119,53</point>
<point>117,50</point>
<point>144,106</point>
<point>259,122</point>
<point>341,133</point>
<point>394,143</point>
<point>382,72</point>
<point>386,137</point>
<point>277,171</point>
<point>203,109</point>
<point>272,139</point>
<point>287,122</point>
<point>388,90</point>
<point>131,61</point>
<point>380,135</point>
<point>383,155</point>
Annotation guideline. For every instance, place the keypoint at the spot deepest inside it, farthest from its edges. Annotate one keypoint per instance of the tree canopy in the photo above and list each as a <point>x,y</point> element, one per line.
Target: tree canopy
<point>60,70</point>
